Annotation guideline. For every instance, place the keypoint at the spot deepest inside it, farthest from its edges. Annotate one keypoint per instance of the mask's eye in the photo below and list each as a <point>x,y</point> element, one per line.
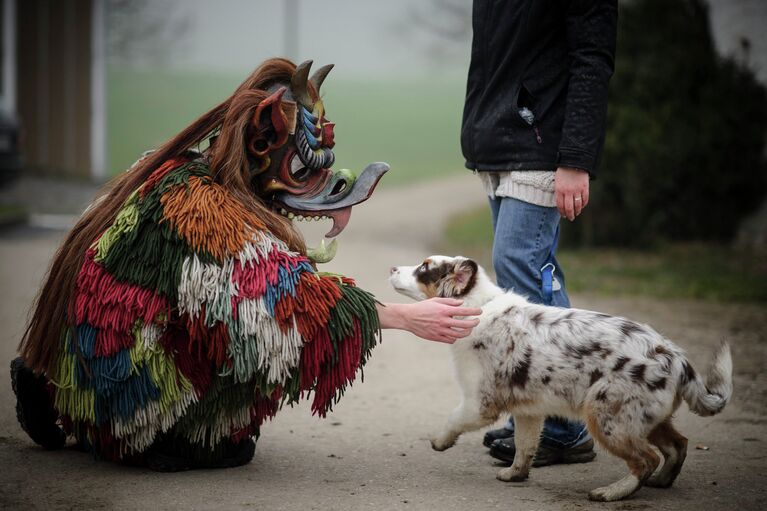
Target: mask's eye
<point>298,171</point>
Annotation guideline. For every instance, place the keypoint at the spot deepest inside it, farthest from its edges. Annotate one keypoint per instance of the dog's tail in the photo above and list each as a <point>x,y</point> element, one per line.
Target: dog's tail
<point>709,397</point>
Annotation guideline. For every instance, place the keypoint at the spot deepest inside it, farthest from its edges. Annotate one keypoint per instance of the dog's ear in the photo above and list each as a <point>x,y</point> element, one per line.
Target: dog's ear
<point>461,279</point>
<point>464,272</point>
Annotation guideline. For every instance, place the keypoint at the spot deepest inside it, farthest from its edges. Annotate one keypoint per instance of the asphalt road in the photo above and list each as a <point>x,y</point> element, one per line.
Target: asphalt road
<point>372,452</point>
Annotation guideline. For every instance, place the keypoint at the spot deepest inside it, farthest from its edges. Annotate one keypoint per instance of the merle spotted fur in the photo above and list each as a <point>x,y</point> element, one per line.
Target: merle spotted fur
<point>624,379</point>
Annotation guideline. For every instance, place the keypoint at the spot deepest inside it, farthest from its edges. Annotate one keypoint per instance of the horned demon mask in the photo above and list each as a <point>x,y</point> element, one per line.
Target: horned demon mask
<point>291,154</point>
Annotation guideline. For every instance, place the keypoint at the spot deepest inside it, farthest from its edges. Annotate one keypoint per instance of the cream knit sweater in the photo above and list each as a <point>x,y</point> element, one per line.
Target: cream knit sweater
<point>533,186</point>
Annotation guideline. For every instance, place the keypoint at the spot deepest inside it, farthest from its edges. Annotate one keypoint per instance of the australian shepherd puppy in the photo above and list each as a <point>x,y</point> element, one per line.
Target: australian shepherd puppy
<point>622,378</point>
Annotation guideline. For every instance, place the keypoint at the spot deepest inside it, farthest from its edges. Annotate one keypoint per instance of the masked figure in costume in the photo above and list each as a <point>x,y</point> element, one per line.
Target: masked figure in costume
<point>182,310</point>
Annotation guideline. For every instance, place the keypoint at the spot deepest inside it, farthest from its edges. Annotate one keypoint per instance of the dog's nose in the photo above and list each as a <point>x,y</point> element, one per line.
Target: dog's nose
<point>393,270</point>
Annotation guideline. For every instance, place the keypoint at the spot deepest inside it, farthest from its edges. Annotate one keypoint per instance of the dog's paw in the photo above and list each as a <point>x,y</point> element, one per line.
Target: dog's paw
<point>442,444</point>
<point>618,490</point>
<point>606,494</point>
<point>600,495</point>
<point>511,474</point>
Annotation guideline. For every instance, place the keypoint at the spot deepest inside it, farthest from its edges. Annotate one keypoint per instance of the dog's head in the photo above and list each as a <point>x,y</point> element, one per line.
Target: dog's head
<point>437,276</point>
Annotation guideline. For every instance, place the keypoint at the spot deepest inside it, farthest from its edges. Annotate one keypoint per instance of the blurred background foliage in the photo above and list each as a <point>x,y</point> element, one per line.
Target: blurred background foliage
<point>684,157</point>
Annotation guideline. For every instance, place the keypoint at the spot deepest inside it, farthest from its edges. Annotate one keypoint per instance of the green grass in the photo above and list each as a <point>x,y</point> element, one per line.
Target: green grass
<point>689,271</point>
<point>412,125</point>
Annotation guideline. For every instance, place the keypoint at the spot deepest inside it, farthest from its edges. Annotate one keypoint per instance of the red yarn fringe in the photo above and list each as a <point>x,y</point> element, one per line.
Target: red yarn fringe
<point>263,408</point>
<point>112,306</point>
<point>207,342</point>
<point>198,370</point>
<point>156,176</point>
<point>314,355</point>
<point>333,378</point>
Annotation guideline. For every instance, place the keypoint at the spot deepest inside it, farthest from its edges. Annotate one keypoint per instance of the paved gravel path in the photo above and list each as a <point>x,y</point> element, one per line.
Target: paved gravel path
<point>372,453</point>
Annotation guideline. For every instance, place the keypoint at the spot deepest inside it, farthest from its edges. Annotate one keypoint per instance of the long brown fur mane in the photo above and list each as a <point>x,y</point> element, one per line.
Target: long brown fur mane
<point>53,307</point>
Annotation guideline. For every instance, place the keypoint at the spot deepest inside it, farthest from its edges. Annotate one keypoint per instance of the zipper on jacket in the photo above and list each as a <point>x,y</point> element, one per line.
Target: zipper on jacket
<point>529,117</point>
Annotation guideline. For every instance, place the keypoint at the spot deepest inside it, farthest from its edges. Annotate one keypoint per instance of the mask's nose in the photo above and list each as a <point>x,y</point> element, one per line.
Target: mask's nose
<point>393,270</point>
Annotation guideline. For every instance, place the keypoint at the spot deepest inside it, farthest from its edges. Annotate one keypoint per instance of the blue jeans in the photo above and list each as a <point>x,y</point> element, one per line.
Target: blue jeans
<point>524,235</point>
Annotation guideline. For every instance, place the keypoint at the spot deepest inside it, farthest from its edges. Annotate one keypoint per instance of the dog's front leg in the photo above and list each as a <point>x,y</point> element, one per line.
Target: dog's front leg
<point>467,416</point>
<point>527,433</point>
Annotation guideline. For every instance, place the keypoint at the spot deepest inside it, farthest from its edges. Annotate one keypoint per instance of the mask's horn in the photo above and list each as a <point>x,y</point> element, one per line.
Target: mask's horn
<point>298,84</point>
<point>319,76</point>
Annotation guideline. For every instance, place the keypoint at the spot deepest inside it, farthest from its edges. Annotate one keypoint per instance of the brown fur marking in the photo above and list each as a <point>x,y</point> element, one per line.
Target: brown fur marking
<point>658,384</point>
<point>688,373</point>
<point>637,372</point>
<point>629,327</point>
<point>622,361</point>
<point>521,373</point>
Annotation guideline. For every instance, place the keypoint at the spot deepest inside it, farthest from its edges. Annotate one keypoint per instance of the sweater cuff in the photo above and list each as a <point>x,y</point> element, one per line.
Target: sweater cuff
<point>576,158</point>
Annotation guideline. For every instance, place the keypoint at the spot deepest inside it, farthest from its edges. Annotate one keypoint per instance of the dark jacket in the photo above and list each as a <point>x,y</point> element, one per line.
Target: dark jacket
<point>554,57</point>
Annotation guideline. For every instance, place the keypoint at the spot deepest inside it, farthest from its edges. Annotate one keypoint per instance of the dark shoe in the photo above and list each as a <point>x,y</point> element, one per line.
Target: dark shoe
<point>34,409</point>
<point>497,434</point>
<point>504,450</point>
<point>166,458</point>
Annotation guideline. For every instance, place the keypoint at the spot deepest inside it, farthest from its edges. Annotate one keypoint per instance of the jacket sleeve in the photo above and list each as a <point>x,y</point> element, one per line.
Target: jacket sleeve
<point>591,33</point>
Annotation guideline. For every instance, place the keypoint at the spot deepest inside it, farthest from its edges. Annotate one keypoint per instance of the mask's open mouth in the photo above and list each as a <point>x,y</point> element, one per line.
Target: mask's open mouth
<point>334,201</point>
<point>340,217</point>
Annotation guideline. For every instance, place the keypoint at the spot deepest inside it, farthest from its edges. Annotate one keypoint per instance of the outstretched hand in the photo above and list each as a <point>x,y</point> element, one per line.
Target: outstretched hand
<point>433,319</point>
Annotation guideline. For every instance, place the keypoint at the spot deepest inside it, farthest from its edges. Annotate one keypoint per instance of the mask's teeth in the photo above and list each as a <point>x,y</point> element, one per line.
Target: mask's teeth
<point>300,218</point>
<point>291,215</point>
<point>283,212</point>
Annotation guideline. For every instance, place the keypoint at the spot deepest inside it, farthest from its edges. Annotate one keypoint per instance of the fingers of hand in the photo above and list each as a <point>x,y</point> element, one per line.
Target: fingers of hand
<point>464,311</point>
<point>449,301</point>
<point>561,204</point>
<point>462,323</point>
<point>569,207</point>
<point>578,204</point>
<point>443,336</point>
<point>459,332</point>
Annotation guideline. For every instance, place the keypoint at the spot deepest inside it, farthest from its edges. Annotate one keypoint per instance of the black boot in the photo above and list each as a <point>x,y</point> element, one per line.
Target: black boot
<point>175,455</point>
<point>34,408</point>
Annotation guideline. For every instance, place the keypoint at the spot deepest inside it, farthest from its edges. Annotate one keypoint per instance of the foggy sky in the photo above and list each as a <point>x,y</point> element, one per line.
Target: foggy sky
<point>377,37</point>
<point>361,37</point>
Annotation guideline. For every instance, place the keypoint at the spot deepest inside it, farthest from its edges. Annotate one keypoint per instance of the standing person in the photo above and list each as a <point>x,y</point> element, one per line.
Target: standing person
<point>533,129</point>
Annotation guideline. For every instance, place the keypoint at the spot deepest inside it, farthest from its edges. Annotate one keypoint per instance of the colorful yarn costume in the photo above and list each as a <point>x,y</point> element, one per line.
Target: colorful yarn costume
<point>193,323</point>
<point>188,300</point>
